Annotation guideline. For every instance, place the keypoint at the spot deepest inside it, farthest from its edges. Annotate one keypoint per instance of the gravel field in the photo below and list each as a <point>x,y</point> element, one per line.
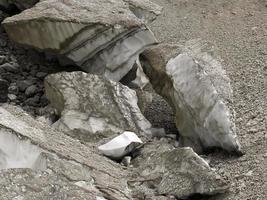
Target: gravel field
<point>236,30</point>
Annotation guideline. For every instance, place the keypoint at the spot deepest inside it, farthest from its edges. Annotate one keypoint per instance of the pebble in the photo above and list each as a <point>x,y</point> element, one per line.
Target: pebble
<point>33,101</point>
<point>41,75</point>
<point>3,43</point>
<point>9,67</point>
<point>23,85</point>
<point>30,91</point>
<point>126,161</point>
<point>2,59</point>
<point>13,89</point>
<point>249,173</point>
<point>44,101</point>
<point>12,97</point>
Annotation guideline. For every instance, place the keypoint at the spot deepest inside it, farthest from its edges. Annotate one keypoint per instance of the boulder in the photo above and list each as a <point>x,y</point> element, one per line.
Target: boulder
<point>178,172</point>
<point>92,108</point>
<point>198,90</point>
<point>102,37</point>
<point>67,163</point>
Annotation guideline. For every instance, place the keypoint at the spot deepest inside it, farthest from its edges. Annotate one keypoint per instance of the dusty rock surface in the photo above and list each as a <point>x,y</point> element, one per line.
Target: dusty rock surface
<point>237,32</point>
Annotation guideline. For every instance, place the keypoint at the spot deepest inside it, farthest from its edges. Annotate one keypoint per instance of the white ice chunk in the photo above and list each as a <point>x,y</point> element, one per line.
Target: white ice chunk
<point>120,145</point>
<point>17,153</point>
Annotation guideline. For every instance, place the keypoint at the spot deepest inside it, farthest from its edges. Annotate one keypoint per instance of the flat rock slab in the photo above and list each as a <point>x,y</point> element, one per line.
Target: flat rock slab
<point>197,88</point>
<point>102,37</point>
<point>174,171</point>
<point>92,108</point>
<point>66,157</point>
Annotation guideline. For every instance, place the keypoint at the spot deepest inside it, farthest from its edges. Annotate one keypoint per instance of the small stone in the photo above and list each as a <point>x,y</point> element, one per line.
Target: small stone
<point>26,68</point>
<point>3,43</point>
<point>41,75</point>
<point>218,177</point>
<point>2,59</point>
<point>249,173</point>
<point>44,120</point>
<point>176,144</point>
<point>23,85</point>
<point>13,89</point>
<point>242,185</point>
<point>23,189</point>
<point>43,101</point>
<point>33,101</point>
<point>9,67</point>
<point>126,161</point>
<point>3,90</point>
<point>12,97</point>
<point>30,91</point>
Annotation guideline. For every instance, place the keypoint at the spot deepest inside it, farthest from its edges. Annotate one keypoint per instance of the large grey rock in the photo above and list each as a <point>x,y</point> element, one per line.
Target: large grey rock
<point>179,172</point>
<point>197,88</point>
<point>92,108</point>
<point>67,162</point>
<point>102,37</point>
